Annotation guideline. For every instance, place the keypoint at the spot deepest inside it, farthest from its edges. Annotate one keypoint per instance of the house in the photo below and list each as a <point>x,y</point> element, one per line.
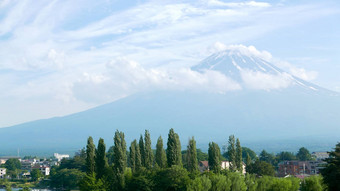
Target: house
<point>2,172</point>
<point>204,166</point>
<point>299,168</point>
<point>45,170</point>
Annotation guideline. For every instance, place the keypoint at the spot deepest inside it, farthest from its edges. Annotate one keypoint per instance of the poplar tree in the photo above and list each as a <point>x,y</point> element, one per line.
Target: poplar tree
<point>248,161</point>
<point>214,155</point>
<point>101,160</point>
<point>147,150</point>
<point>119,160</point>
<point>138,157</point>
<point>192,156</point>
<point>141,150</point>
<point>160,153</point>
<point>132,157</point>
<point>238,157</point>
<point>173,152</point>
<point>90,156</point>
<point>232,153</point>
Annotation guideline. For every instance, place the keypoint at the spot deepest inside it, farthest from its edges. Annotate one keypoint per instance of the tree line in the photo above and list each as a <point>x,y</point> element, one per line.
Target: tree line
<point>141,168</point>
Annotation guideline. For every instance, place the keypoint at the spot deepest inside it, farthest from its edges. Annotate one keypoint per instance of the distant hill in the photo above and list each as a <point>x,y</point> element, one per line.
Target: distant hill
<point>301,114</point>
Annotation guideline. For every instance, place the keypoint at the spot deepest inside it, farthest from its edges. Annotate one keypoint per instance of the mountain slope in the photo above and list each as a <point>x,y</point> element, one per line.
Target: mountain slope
<point>260,115</point>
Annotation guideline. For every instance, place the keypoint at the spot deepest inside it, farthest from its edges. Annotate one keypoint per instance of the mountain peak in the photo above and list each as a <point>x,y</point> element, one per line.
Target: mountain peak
<point>253,69</point>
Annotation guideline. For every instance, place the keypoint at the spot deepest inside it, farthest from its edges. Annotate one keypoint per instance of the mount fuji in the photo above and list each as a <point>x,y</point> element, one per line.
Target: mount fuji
<point>271,109</point>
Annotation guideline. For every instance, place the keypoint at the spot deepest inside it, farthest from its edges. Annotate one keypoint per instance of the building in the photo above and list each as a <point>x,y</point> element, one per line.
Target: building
<point>45,170</point>
<point>2,172</point>
<point>59,157</point>
<point>319,156</point>
<point>204,166</point>
<point>299,168</point>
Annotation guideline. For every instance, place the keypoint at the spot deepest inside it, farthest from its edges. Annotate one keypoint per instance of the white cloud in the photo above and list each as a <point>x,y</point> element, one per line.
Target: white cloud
<point>58,50</point>
<point>124,77</point>
<point>238,4</point>
<point>263,81</point>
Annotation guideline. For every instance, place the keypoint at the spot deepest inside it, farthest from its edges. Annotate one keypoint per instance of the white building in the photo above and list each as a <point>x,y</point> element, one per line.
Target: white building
<point>59,157</point>
<point>2,172</point>
<point>45,170</point>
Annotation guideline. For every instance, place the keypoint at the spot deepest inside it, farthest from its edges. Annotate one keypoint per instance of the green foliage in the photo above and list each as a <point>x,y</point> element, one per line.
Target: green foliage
<point>232,153</point>
<point>148,151</point>
<point>90,156</point>
<point>192,163</point>
<point>13,164</point>
<point>267,157</point>
<point>331,173</point>
<point>313,183</point>
<point>238,158</point>
<point>283,156</point>
<point>101,160</point>
<point>138,157</point>
<point>142,150</point>
<point>220,182</point>
<point>237,181</point>
<point>303,154</point>
<point>36,174</point>
<point>160,154</point>
<point>214,157</point>
<point>250,180</point>
<point>66,179</point>
<point>140,182</point>
<point>13,167</point>
<point>90,183</point>
<point>201,183</point>
<point>77,162</point>
<point>248,160</point>
<point>119,160</point>
<point>173,178</point>
<point>261,168</point>
<point>264,183</point>
<point>109,155</point>
<point>173,151</point>
<point>202,156</point>
<point>132,157</point>
<point>247,151</point>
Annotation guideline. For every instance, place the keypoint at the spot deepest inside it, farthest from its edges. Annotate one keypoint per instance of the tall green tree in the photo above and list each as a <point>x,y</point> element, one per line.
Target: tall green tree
<point>238,158</point>
<point>148,151</point>
<point>192,162</point>
<point>267,157</point>
<point>119,160</point>
<point>132,157</point>
<point>142,150</point>
<point>90,156</point>
<point>173,152</point>
<point>232,153</point>
<point>138,157</point>
<point>248,161</point>
<point>303,154</point>
<point>214,157</point>
<point>101,160</point>
<point>160,153</point>
<point>331,173</point>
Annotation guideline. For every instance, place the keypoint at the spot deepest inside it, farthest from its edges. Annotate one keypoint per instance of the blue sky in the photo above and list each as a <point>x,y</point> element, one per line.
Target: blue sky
<point>61,57</point>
